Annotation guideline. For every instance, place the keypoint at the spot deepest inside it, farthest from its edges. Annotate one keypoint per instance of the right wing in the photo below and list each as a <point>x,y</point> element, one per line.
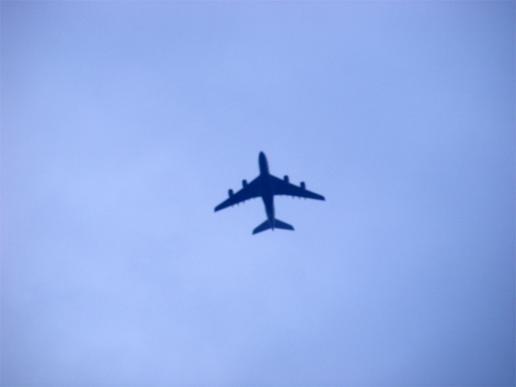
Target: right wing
<point>251,190</point>
<point>282,187</point>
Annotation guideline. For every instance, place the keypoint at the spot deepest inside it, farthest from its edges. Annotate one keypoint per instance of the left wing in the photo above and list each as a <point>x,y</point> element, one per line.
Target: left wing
<point>284,187</point>
<point>249,191</point>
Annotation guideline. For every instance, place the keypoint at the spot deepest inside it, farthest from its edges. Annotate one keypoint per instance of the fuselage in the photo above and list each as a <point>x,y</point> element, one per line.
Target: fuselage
<point>267,196</point>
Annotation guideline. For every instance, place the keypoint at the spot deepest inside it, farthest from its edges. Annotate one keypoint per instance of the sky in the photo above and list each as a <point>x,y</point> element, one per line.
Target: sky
<point>124,123</point>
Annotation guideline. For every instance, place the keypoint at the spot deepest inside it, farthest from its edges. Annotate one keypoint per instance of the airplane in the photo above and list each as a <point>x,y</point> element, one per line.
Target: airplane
<point>267,186</point>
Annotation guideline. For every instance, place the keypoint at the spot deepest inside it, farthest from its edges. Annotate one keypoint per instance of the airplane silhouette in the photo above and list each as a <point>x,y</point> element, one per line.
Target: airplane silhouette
<point>267,186</point>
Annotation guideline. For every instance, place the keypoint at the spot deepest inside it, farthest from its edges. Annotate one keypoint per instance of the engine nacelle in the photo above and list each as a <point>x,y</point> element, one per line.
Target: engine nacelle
<point>230,192</point>
<point>244,183</point>
<point>303,185</point>
<point>286,178</point>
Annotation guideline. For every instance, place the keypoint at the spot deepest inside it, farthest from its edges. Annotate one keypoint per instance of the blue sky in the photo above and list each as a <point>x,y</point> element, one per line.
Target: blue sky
<point>123,124</point>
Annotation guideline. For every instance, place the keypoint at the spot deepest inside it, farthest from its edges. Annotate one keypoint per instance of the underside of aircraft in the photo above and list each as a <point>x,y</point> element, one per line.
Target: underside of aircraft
<point>267,186</point>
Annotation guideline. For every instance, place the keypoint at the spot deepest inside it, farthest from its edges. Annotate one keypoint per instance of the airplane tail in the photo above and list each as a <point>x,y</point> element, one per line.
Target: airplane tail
<point>277,224</point>
<point>282,225</point>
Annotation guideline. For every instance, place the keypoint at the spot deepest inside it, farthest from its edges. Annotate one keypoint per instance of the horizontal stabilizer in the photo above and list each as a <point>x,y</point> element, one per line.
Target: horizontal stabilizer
<point>262,227</point>
<point>268,225</point>
<point>282,225</point>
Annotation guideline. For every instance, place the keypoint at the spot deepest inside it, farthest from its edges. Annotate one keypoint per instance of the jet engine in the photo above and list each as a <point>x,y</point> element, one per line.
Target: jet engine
<point>286,178</point>
<point>244,183</point>
<point>303,185</point>
<point>230,192</point>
